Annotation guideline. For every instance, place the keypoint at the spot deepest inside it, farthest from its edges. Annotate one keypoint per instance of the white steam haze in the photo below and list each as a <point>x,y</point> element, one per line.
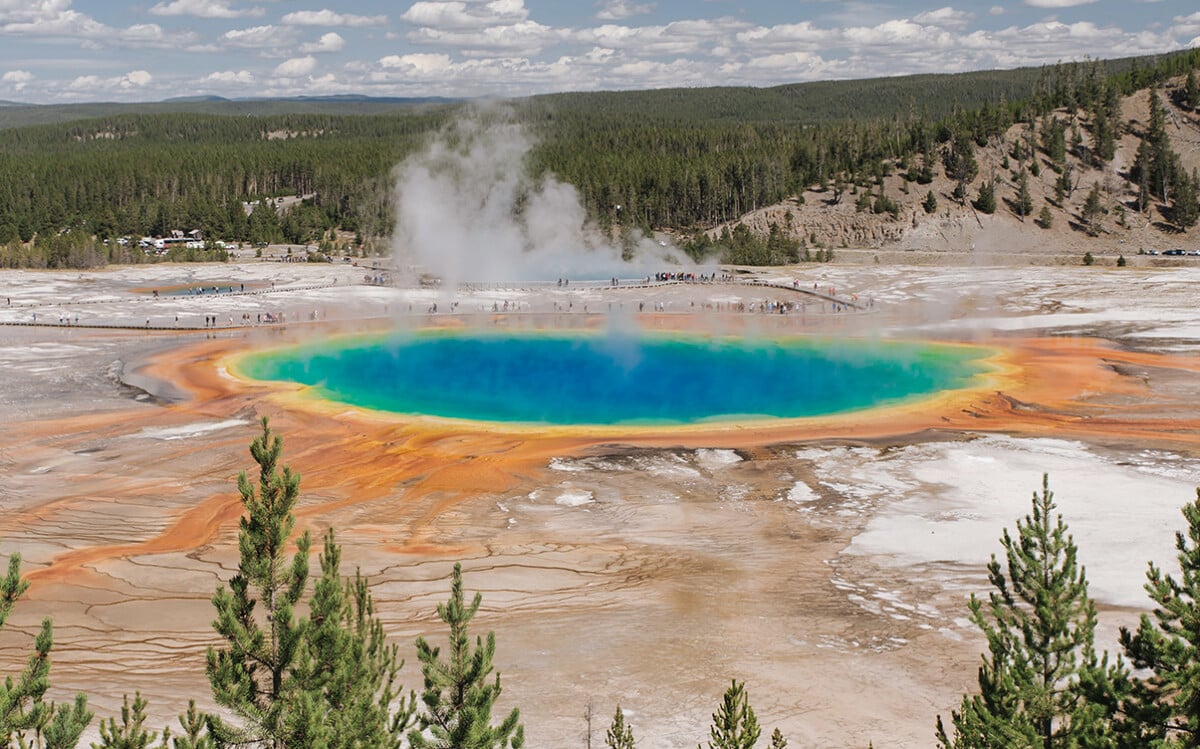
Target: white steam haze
<point>467,211</point>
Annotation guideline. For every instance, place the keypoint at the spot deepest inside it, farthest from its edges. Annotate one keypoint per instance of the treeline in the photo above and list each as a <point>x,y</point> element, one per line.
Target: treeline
<point>678,160</point>
<point>329,678</point>
<point>135,175</point>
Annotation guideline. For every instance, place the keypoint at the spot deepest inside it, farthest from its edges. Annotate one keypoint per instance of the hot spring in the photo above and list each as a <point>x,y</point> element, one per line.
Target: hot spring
<point>606,379</point>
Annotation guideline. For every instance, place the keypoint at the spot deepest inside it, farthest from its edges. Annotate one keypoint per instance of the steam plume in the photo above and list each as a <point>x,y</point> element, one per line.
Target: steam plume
<point>467,211</point>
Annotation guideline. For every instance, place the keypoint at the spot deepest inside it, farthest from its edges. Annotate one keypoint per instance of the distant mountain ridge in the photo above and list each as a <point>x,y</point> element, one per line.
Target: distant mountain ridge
<point>813,102</point>
<point>355,98</point>
<point>23,114</point>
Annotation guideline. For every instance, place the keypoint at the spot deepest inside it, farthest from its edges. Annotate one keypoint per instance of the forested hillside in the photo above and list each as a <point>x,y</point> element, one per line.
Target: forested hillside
<point>679,160</point>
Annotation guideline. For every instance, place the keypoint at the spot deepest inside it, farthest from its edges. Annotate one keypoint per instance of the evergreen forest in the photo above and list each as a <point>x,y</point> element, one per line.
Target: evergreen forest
<point>682,160</point>
<point>305,662</point>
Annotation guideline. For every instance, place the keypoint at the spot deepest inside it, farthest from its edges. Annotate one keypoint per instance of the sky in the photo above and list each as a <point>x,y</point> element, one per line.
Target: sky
<point>56,51</point>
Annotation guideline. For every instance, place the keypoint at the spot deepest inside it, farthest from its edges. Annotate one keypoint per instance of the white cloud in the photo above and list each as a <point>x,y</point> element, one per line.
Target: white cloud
<point>93,83</point>
<point>677,38</point>
<point>241,77</point>
<point>1057,3</point>
<point>137,78</point>
<point>527,37</point>
<point>203,9</point>
<point>616,10</point>
<point>23,11</point>
<point>70,24</point>
<point>17,79</point>
<point>260,37</point>
<point>796,64</point>
<point>330,42</point>
<point>85,82</point>
<point>328,17</point>
<point>296,67</point>
<point>453,14</point>
<point>418,63</point>
<point>150,33</point>
<point>997,10</point>
<point>946,18</point>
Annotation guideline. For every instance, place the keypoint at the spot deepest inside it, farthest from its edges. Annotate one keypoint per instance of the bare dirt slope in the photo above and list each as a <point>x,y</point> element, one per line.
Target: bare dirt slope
<point>956,233</point>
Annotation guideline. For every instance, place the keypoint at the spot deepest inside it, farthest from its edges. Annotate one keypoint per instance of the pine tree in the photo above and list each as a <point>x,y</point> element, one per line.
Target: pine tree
<point>24,714</point>
<point>458,698</point>
<point>1107,124</point>
<point>734,724</point>
<point>195,730</point>
<point>777,740</point>
<point>1045,219</point>
<point>1163,709</point>
<point>1024,202</point>
<point>1155,164</point>
<point>959,160</point>
<point>986,201</point>
<point>1185,200</point>
<point>930,203</point>
<point>1054,140</point>
<point>130,733</point>
<point>959,193</point>
<point>1063,186</point>
<point>620,733</point>
<point>248,676</point>
<point>326,679</point>
<point>344,681</point>
<point>1039,623</point>
<point>1093,211</point>
<point>1191,90</point>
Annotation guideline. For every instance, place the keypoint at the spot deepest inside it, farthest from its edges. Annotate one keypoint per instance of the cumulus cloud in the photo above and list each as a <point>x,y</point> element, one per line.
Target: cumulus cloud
<point>1057,3</point>
<point>203,9</point>
<point>330,42</point>
<point>947,18</point>
<point>418,63</point>
<point>260,37</point>
<point>68,23</point>
<point>453,14</point>
<point>240,77</point>
<point>296,67</point>
<point>617,10</point>
<point>44,19</point>
<point>132,80</point>
<point>527,37</point>
<point>17,79</point>
<point>19,11</point>
<point>676,38</point>
<point>136,78</point>
<point>328,17</point>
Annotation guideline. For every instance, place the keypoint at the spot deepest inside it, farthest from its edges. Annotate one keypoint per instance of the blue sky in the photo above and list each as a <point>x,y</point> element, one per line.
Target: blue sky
<point>92,50</point>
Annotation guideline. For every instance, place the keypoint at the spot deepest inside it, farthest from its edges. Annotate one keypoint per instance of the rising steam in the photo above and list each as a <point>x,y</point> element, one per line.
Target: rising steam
<point>467,211</point>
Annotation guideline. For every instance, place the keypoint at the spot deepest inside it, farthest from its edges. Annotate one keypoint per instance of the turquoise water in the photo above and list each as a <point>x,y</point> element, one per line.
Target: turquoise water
<point>608,379</point>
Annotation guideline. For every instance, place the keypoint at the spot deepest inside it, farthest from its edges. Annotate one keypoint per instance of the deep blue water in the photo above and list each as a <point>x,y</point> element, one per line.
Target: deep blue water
<point>605,379</point>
